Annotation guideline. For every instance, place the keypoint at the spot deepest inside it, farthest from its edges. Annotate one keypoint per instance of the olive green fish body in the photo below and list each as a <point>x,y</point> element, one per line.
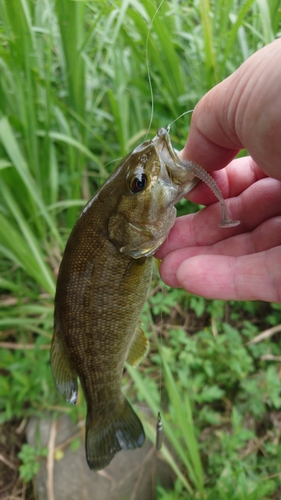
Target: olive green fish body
<point>100,294</point>
<point>102,285</point>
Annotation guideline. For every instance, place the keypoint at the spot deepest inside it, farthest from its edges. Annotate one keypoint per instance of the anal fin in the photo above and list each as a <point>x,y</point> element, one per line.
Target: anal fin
<point>138,348</point>
<point>64,376</point>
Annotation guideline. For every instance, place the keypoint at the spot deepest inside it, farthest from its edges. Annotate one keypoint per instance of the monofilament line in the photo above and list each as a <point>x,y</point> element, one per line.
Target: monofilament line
<point>176,119</point>
<point>159,432</point>
<point>159,427</point>
<point>147,66</point>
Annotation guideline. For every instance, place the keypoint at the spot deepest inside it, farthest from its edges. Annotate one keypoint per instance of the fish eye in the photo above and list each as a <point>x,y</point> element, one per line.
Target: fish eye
<point>138,183</point>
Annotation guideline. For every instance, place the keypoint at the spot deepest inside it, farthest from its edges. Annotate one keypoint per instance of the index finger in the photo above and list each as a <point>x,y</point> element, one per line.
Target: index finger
<point>260,202</point>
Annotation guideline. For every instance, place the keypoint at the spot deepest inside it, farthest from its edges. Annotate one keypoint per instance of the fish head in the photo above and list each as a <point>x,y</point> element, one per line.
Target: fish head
<point>152,182</point>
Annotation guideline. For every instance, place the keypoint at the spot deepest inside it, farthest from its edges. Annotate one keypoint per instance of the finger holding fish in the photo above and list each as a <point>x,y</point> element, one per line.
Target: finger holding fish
<point>231,278</point>
<point>261,239</point>
<point>199,230</point>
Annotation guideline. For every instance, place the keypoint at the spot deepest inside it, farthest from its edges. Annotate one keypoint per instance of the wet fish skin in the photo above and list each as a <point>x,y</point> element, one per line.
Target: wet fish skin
<point>103,283</point>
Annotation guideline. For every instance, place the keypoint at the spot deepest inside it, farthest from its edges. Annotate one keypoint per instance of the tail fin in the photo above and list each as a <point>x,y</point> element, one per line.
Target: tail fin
<point>123,430</point>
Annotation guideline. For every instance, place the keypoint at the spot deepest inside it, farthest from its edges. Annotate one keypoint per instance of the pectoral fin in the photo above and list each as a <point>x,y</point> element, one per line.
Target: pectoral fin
<point>64,376</point>
<point>138,348</point>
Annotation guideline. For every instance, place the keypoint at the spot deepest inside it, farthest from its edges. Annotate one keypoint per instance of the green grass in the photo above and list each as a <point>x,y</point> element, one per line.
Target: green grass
<point>74,97</point>
<point>217,396</point>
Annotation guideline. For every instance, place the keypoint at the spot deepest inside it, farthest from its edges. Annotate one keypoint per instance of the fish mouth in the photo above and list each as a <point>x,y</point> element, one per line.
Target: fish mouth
<point>166,151</point>
<point>169,161</point>
<point>173,171</point>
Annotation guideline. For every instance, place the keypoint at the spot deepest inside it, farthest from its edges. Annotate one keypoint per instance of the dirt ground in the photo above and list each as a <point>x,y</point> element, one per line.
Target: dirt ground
<point>12,437</point>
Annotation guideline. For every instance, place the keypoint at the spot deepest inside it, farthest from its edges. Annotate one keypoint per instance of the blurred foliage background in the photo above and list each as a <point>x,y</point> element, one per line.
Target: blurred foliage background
<point>74,98</point>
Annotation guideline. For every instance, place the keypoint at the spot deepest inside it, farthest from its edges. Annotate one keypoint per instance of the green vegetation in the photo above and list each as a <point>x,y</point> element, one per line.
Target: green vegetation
<point>74,97</point>
<point>30,460</point>
<point>219,394</point>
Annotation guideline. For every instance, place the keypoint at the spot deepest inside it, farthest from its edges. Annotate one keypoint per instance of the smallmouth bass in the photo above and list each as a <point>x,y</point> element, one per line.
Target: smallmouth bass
<point>103,283</point>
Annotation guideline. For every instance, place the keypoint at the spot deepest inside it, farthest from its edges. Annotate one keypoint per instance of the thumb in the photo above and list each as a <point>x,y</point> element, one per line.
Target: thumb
<point>241,112</point>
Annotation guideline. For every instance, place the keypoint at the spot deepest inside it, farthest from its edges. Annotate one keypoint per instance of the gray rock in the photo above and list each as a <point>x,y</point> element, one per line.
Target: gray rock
<point>132,475</point>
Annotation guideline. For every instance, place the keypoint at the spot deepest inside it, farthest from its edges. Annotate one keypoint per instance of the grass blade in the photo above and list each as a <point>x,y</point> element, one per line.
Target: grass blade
<point>11,146</point>
<point>26,248</point>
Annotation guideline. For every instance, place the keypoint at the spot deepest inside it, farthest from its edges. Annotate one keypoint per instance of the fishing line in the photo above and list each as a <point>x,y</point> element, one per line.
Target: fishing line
<point>147,66</point>
<point>159,429</point>
<point>176,119</point>
<point>159,432</point>
<point>149,75</point>
<point>159,426</point>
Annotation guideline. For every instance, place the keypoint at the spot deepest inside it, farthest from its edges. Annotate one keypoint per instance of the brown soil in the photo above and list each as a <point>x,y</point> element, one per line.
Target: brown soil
<point>12,487</point>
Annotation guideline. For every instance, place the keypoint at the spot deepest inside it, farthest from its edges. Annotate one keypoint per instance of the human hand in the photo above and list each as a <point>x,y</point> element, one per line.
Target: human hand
<point>240,263</point>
